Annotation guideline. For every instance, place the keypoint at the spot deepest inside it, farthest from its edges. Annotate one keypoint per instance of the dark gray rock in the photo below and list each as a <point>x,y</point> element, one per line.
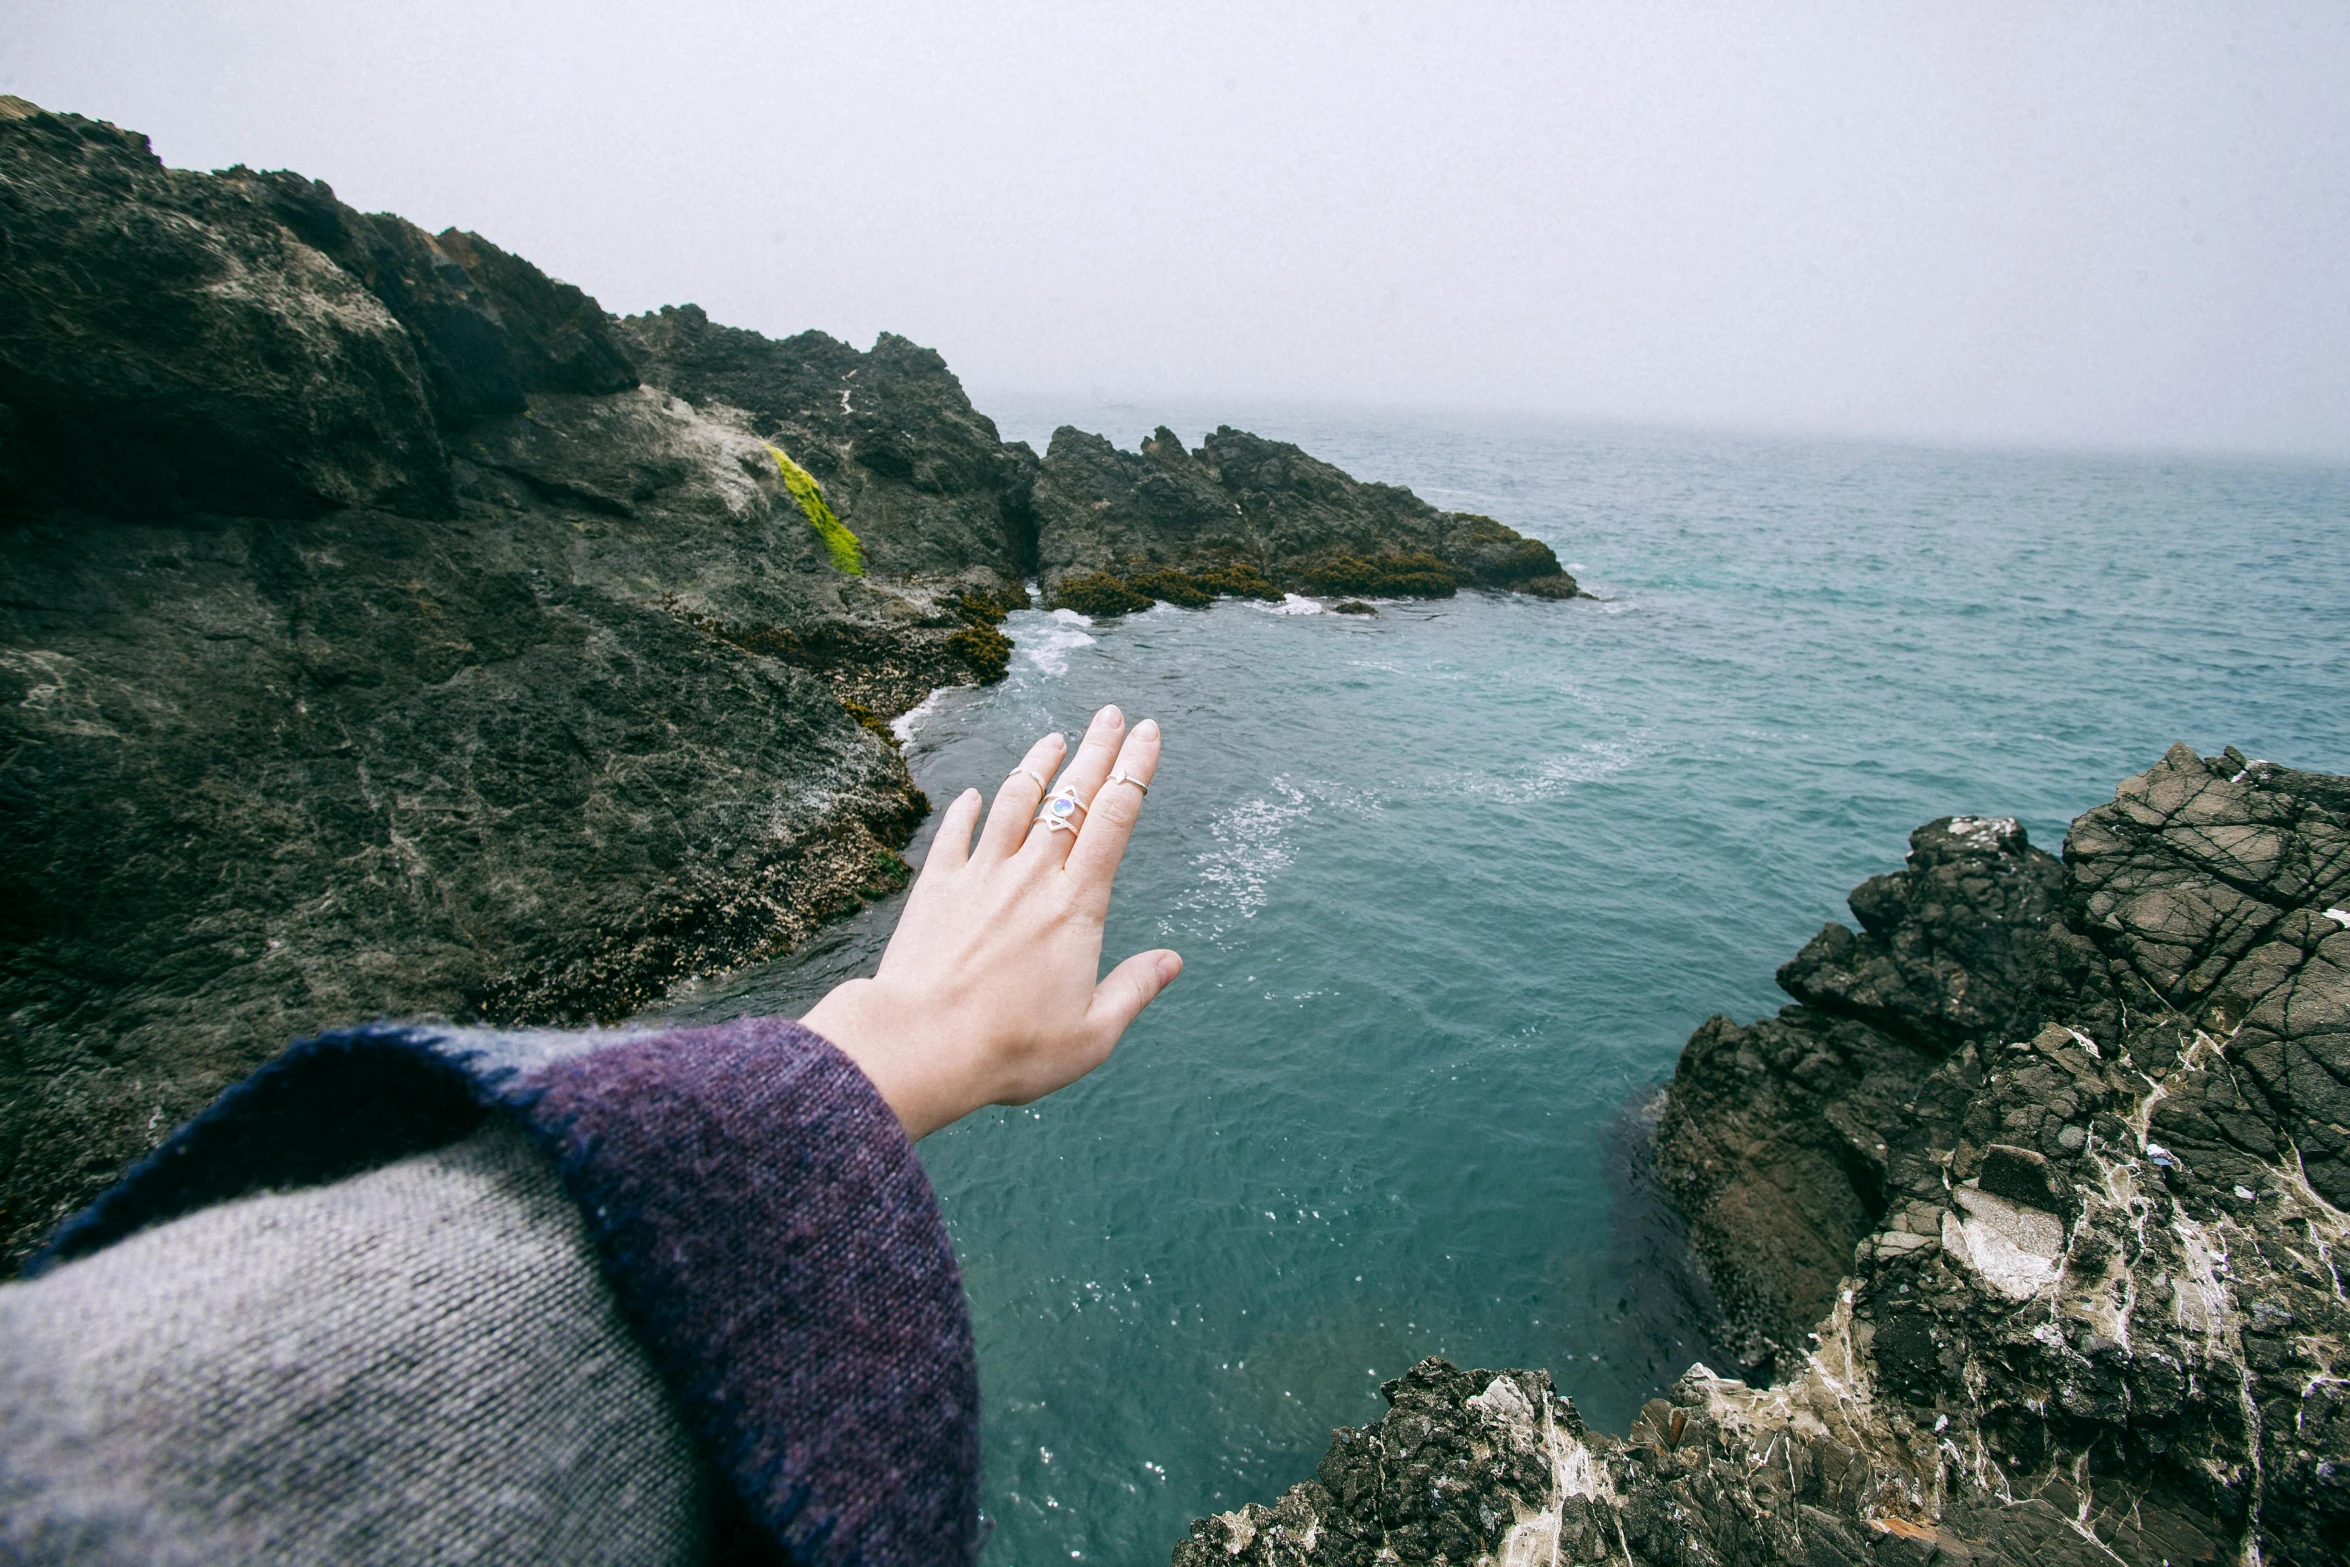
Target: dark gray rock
<point>1243,514</point>
<point>375,645</point>
<point>2041,1164</point>
<point>915,471</point>
<point>489,328</point>
<point>168,346</point>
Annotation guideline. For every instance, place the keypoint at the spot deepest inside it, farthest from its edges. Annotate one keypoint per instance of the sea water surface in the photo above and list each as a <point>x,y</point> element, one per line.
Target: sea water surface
<point>1455,883</point>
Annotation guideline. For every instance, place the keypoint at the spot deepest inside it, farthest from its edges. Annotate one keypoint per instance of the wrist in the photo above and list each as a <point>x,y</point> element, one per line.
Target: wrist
<point>885,1038</point>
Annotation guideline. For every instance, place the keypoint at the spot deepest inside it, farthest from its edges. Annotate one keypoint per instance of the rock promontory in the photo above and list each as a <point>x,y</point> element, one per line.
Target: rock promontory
<point>391,630</point>
<point>2028,1218</point>
<point>1244,515</point>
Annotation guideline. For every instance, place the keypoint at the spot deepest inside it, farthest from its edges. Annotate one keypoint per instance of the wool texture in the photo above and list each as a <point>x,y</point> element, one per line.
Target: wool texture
<point>755,1209</point>
<point>416,1365</point>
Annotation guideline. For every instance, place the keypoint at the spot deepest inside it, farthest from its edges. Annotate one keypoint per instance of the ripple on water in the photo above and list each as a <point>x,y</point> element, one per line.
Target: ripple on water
<point>1455,882</point>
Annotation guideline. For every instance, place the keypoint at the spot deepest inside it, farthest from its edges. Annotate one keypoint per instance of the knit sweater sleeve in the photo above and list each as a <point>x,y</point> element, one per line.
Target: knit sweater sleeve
<point>417,1364</point>
<point>756,1218</point>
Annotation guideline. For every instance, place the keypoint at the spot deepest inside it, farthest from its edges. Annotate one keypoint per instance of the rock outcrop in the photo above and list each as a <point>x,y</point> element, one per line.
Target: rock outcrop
<point>375,643</point>
<point>391,630</point>
<point>2029,1216</point>
<point>1246,515</point>
<point>919,475</point>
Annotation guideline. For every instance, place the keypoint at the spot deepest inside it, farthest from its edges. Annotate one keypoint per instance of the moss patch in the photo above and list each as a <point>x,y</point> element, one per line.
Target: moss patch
<point>1352,607</point>
<point>1557,585</point>
<point>868,719</point>
<point>987,652</point>
<point>988,606</point>
<point>848,556</point>
<point>1099,593</point>
<point>1107,593</point>
<point>1415,576</point>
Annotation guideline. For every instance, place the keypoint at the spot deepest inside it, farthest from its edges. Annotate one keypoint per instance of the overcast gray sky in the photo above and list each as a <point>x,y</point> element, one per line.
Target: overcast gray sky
<point>2107,224</point>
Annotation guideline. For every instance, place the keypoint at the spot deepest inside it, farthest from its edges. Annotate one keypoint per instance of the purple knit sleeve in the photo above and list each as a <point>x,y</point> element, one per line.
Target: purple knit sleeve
<point>780,1253</point>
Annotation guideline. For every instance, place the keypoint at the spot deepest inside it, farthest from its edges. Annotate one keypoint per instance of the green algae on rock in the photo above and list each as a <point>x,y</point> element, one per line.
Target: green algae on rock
<point>840,545</point>
<point>1099,593</point>
<point>1418,575</point>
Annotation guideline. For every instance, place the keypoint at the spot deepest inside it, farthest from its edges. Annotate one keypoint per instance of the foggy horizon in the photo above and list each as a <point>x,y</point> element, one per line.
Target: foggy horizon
<point>2106,231</point>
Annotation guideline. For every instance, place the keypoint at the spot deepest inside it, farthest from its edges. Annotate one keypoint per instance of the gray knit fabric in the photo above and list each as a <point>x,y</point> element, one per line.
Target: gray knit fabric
<point>417,1365</point>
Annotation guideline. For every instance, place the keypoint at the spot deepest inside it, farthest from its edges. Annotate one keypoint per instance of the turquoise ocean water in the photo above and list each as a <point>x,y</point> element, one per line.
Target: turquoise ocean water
<point>1454,884</point>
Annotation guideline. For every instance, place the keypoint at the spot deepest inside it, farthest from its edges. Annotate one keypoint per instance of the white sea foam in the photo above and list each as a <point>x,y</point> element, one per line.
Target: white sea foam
<point>1291,604</point>
<point>1048,647</point>
<point>913,718</point>
<point>1249,849</point>
<point>1549,777</point>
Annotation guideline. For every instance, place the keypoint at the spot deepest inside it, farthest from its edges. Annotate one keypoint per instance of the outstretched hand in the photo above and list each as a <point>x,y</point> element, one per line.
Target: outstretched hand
<point>987,994</point>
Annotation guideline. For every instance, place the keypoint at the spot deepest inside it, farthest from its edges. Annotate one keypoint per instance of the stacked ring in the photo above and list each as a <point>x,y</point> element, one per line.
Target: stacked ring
<point>1026,771</point>
<point>1120,775</point>
<point>1059,812</point>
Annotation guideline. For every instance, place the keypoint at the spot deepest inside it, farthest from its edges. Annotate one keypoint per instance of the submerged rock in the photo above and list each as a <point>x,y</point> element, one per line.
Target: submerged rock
<point>2028,1217</point>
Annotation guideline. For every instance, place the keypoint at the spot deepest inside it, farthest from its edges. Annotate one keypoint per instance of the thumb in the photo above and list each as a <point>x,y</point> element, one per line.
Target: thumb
<point>1131,986</point>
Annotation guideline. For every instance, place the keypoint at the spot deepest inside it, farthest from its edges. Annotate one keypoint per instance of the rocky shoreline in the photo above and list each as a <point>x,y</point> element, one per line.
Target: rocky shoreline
<point>391,630</point>
<point>2028,1218</point>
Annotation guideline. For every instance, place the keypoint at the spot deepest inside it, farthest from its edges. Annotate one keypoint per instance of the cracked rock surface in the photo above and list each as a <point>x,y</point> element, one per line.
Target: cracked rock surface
<point>2028,1218</point>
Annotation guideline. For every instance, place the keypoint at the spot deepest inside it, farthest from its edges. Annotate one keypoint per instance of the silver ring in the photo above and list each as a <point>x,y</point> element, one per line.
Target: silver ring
<point>1025,771</point>
<point>1120,775</point>
<point>1059,812</point>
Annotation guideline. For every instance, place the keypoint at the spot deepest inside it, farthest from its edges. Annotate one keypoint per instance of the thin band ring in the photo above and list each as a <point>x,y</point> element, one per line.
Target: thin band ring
<point>1059,812</point>
<point>1025,771</point>
<point>1120,775</point>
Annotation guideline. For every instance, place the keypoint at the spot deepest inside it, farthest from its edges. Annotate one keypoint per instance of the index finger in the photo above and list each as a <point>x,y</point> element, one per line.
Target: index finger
<point>1101,843</point>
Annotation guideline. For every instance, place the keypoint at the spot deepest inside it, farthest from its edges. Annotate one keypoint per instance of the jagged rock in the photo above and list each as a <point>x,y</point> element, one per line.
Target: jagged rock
<point>168,346</point>
<point>489,328</point>
<point>1138,524</point>
<point>374,644</point>
<point>918,473</point>
<point>2042,1158</point>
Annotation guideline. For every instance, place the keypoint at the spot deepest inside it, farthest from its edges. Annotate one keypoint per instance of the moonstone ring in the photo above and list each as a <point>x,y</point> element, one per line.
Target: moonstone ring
<point>1060,812</point>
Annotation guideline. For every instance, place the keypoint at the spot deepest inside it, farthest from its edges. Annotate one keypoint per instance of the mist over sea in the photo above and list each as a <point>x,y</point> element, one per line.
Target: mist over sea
<point>1455,883</point>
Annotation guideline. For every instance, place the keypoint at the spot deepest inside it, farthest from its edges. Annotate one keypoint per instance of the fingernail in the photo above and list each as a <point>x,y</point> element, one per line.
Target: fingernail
<point>1110,716</point>
<point>1149,726</point>
<point>1170,965</point>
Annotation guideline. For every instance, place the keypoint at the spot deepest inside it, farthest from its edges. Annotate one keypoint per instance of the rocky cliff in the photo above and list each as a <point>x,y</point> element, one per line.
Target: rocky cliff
<point>388,629</point>
<point>2029,1216</point>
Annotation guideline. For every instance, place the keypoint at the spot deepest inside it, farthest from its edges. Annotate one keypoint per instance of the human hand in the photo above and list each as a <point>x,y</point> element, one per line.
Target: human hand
<point>987,993</point>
